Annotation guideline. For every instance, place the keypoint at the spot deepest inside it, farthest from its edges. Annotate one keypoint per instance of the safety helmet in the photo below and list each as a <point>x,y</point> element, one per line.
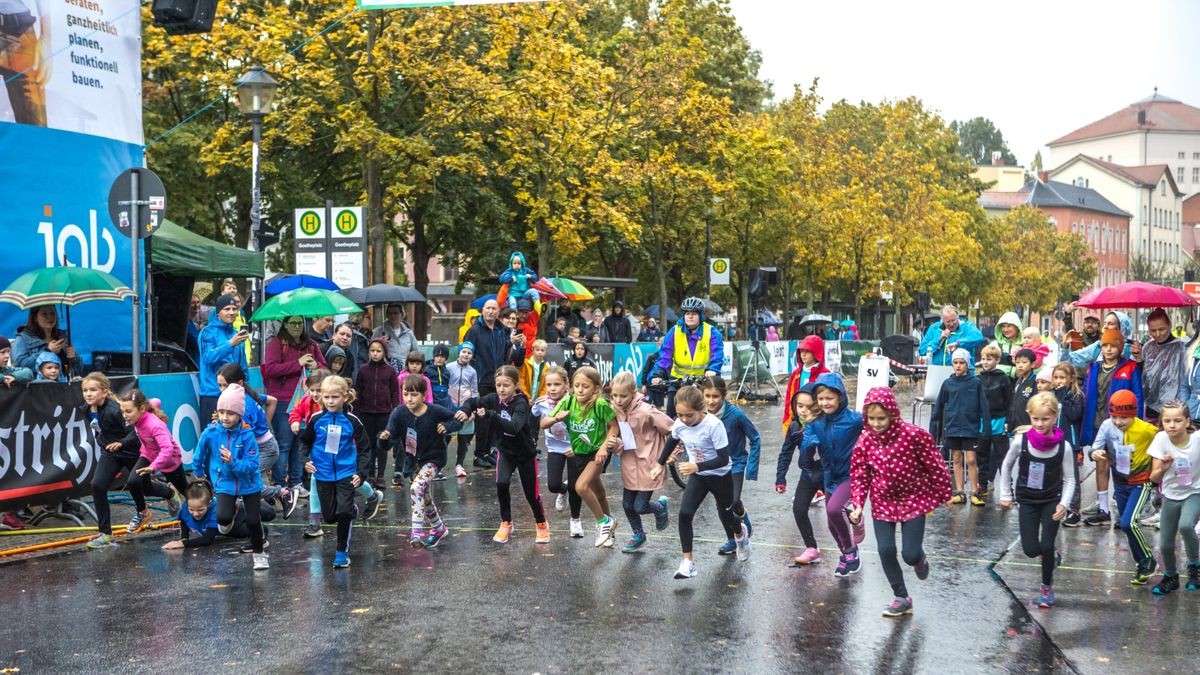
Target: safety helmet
<point>692,305</point>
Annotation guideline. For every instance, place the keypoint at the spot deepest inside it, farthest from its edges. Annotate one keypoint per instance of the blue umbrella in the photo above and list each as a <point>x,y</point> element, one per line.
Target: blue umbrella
<point>652,311</point>
<point>480,302</point>
<point>290,282</point>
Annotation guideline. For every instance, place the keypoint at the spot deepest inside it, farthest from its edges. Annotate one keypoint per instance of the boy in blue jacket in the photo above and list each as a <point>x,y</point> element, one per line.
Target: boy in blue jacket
<point>833,434</point>
<point>739,429</point>
<point>960,416</point>
<point>331,443</point>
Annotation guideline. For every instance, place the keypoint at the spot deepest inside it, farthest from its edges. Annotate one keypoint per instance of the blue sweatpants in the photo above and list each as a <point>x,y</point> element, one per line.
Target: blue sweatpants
<point>1131,499</point>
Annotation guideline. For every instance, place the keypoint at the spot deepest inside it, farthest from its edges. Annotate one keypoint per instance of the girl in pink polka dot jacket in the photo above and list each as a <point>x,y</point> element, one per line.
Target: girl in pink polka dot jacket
<point>898,466</point>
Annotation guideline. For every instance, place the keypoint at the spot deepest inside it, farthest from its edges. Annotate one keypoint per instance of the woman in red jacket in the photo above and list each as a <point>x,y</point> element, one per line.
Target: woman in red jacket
<point>287,356</point>
<point>810,364</point>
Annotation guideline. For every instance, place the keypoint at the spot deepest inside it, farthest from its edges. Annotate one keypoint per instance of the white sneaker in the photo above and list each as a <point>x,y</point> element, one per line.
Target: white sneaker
<point>1091,510</point>
<point>460,472</point>
<point>302,492</point>
<point>560,503</point>
<point>261,562</point>
<point>687,569</point>
<point>743,546</point>
<point>1151,521</point>
<point>577,528</point>
<point>604,531</point>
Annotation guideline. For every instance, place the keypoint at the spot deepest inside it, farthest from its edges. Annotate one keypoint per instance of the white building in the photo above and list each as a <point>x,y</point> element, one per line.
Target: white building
<point>1155,130</point>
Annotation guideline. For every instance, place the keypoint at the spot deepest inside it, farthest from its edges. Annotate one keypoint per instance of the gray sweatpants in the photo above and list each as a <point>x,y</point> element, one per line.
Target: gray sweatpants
<point>1179,516</point>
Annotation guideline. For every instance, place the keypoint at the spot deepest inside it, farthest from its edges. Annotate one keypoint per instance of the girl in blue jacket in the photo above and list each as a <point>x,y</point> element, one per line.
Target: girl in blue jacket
<point>200,519</point>
<point>834,433</point>
<point>228,453</point>
<point>808,488</point>
<point>739,429</point>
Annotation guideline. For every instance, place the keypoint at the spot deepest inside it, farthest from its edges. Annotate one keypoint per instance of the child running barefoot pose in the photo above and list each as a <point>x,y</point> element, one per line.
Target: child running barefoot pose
<point>229,452</point>
<point>331,443</point>
<point>739,429</point>
<point>898,467</point>
<point>509,411</point>
<point>160,452</point>
<point>259,410</point>
<point>1176,455</point>
<point>592,429</point>
<point>421,427</point>
<point>1039,463</point>
<point>810,483</point>
<point>118,453</point>
<point>558,447</point>
<point>834,433</point>
<point>200,519</point>
<point>703,437</point>
<point>643,425</point>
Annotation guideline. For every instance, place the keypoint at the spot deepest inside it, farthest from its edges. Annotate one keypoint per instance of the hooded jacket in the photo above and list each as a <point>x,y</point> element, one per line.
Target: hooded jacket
<point>216,351</point>
<point>649,427</point>
<point>332,352</point>
<point>810,466</point>
<point>802,376</point>
<point>716,346</point>
<point>377,387</point>
<point>617,325</point>
<point>833,435</point>
<point>998,388</point>
<point>1164,368</point>
<point>1127,375</point>
<point>966,336</point>
<point>1008,347</point>
<point>900,469</point>
<point>159,447</point>
<point>961,409</point>
<point>493,348</point>
<point>518,436</point>
<point>281,369</point>
<point>238,476</point>
<point>49,357</point>
<point>518,281</point>
<point>739,429</point>
<point>439,383</point>
<point>1082,358</point>
<point>28,345</point>
<point>1189,384</point>
<point>1070,414</point>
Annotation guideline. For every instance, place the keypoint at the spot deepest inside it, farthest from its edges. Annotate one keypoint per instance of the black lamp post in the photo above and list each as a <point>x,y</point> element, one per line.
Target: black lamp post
<point>255,91</point>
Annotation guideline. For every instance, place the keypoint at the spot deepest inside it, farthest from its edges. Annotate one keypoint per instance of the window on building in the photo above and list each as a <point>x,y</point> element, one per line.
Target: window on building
<point>1162,188</point>
<point>1182,155</point>
<point>1196,155</point>
<point>1179,177</point>
<point>1196,174</point>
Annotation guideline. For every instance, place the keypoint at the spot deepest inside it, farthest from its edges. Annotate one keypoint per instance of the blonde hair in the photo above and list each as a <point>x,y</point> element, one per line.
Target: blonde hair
<point>990,350</point>
<point>1031,331</point>
<point>559,371</point>
<point>336,384</point>
<point>624,380</point>
<point>539,343</point>
<point>588,372</point>
<point>1068,370</point>
<point>1042,401</point>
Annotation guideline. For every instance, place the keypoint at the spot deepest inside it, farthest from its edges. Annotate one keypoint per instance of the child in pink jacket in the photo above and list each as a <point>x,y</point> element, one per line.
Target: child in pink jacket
<point>646,426</point>
<point>897,465</point>
<point>160,453</point>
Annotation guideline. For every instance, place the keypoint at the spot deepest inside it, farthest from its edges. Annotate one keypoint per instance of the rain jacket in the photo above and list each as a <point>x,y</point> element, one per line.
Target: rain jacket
<point>740,429</point>
<point>1164,367</point>
<point>518,281</point>
<point>801,376</point>
<point>1189,386</point>
<point>532,378</point>
<point>1008,347</point>
<point>833,435</point>
<point>49,357</point>
<point>900,469</point>
<point>332,352</point>
<point>966,336</point>
<point>1127,375</point>
<point>18,373</point>
<point>961,409</point>
<point>281,369</point>
<point>650,426</point>
<point>1081,358</point>
<point>27,346</point>
<point>240,475</point>
<point>338,460</point>
<point>377,386</point>
<point>159,447</point>
<point>216,351</point>
<point>716,346</point>
<point>617,326</point>
<point>810,466</point>
<point>439,383</point>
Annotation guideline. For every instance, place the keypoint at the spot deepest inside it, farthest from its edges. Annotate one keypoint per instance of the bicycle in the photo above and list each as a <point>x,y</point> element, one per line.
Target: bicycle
<point>670,386</point>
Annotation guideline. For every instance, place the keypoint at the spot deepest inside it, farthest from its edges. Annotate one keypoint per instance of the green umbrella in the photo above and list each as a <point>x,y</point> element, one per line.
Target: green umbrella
<point>309,303</point>
<point>572,289</point>
<point>63,286</point>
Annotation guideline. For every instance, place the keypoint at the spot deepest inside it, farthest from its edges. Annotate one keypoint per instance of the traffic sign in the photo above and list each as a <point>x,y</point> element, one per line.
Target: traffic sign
<point>718,271</point>
<point>152,196</point>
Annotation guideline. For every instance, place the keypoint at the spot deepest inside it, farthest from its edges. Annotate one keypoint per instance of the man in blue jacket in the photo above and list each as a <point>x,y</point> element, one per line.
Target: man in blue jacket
<point>951,333</point>
<point>493,348</point>
<point>219,344</point>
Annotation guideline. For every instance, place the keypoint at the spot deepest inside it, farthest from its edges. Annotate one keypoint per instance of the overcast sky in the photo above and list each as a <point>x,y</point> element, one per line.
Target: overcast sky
<point>1038,69</point>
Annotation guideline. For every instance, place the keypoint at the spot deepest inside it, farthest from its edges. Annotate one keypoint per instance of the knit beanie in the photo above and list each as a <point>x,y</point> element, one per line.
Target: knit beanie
<point>1113,337</point>
<point>1046,374</point>
<point>4,343</point>
<point>467,344</point>
<point>233,400</point>
<point>1122,403</point>
<point>223,301</point>
<point>960,355</point>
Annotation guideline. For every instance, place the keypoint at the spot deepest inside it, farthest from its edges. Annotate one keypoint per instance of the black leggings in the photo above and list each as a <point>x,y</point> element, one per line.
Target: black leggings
<point>995,457</point>
<point>805,491</point>
<point>227,513</point>
<point>1029,518</point>
<point>155,488</point>
<point>107,468</point>
<point>526,467</point>
<point>912,534</point>
<point>698,487</point>
<point>375,424</point>
<point>464,440</point>
<point>738,480</point>
<point>556,463</point>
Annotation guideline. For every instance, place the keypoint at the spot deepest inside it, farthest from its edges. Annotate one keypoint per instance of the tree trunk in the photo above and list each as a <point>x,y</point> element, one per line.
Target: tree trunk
<point>419,249</point>
<point>372,173</point>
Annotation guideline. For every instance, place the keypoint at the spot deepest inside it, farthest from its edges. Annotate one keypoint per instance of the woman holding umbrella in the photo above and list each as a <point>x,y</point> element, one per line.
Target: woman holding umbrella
<point>41,334</point>
<point>400,338</point>
<point>287,356</point>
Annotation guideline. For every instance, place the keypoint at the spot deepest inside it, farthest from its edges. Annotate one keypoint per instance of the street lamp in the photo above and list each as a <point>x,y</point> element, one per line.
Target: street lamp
<point>255,90</point>
<point>709,211</point>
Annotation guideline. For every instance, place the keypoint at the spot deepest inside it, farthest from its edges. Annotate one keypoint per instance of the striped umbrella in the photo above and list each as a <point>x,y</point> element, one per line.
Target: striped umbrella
<point>68,286</point>
<point>572,290</point>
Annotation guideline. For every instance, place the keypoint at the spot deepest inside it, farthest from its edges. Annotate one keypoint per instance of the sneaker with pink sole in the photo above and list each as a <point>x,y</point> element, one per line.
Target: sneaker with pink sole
<point>808,557</point>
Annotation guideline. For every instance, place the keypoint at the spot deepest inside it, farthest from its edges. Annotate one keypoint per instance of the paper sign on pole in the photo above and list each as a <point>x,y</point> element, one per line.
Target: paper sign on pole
<point>873,371</point>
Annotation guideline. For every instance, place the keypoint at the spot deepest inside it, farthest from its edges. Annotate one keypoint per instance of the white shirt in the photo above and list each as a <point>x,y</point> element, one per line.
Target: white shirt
<point>556,435</point>
<point>702,441</point>
<point>1187,463</point>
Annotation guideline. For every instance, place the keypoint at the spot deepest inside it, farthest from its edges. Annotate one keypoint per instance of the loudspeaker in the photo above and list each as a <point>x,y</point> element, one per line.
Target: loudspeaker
<point>921,300</point>
<point>121,363</point>
<point>183,17</point>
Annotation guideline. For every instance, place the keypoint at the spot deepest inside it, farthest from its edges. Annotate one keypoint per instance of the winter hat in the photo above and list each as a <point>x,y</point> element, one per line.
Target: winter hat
<point>47,357</point>
<point>1113,337</point>
<point>1123,404</point>
<point>442,351</point>
<point>233,400</point>
<point>524,305</point>
<point>223,302</point>
<point>1046,374</point>
<point>467,344</point>
<point>1027,354</point>
<point>960,354</point>
<point>4,343</point>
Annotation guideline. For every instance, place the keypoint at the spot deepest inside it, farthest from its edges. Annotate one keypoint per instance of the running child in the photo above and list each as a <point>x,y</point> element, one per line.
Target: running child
<point>998,388</point>
<point>959,416</point>
<point>118,453</point>
<point>1112,373</point>
<point>259,410</point>
<point>331,443</point>
<point>592,430</point>
<point>644,426</point>
<point>421,428</point>
<point>230,451</point>
<point>1036,474</point>
<point>558,448</point>
<point>402,463</point>
<point>810,364</point>
<point>803,406</point>
<point>1123,442</point>
<point>834,434</point>
<point>464,384</point>
<point>708,467</point>
<point>738,429</point>
<point>898,466</point>
<point>1176,454</point>
<point>159,452</point>
<point>509,411</point>
<point>378,395</point>
<point>200,519</point>
<point>1070,414</point>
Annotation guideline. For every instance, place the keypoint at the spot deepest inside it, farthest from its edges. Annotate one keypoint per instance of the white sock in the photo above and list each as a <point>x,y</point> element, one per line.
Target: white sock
<point>1102,497</point>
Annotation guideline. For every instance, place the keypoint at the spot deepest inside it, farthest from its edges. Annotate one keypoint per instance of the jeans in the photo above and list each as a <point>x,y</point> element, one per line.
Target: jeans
<point>912,534</point>
<point>636,503</point>
<point>289,469</point>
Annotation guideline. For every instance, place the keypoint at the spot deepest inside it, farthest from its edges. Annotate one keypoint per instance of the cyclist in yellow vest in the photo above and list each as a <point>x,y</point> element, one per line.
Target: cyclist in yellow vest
<point>693,348</point>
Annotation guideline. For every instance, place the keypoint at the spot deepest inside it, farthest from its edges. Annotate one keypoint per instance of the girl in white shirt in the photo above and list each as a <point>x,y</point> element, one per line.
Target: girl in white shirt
<point>1176,455</point>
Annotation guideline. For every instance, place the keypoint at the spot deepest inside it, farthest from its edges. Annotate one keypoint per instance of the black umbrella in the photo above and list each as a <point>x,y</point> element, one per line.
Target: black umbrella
<point>766,317</point>
<point>815,318</point>
<point>652,312</point>
<point>382,294</point>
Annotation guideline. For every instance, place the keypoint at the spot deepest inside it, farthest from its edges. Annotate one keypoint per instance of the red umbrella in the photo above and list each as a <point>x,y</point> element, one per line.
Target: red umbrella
<point>547,291</point>
<point>1136,295</point>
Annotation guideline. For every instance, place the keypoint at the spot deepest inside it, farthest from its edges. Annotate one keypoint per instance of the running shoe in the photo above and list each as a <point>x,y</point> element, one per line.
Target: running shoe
<point>503,533</point>
<point>749,527</point>
<point>174,502</point>
<point>1072,520</point>
<point>417,539</point>
<point>313,530</point>
<point>687,569</point>
<point>560,502</point>
<point>303,494</point>
<point>459,471</point>
<point>542,533</point>
<point>101,541</point>
<point>817,499</point>
<point>249,548</point>
<point>10,521</point>
<point>397,479</point>
<point>662,518</point>
<point>899,607</point>
<point>1193,572</point>
<point>848,564</point>
<point>1045,598</point>
<point>922,569</point>
<point>576,528</point>
<point>1144,569</point>
<point>341,559</point>
<point>436,535</point>
<point>440,475</point>
<point>859,530</point>
<point>604,531</point>
<point>1168,583</point>
<point>140,521</point>
<point>1091,510</point>
<point>372,504</point>
<point>635,542</point>
<point>976,500</point>
<point>728,548</point>
<point>289,499</point>
<point>958,498</point>
<point>1150,521</point>
<point>261,561</point>
<point>743,546</point>
<point>808,557</point>
<point>1100,518</point>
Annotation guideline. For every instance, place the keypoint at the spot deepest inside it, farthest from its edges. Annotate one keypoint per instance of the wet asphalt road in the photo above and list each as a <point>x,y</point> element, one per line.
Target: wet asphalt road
<point>475,606</point>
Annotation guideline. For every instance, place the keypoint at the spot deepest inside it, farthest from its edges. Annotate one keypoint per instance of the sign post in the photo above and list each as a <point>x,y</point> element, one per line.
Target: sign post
<point>144,189</point>
<point>718,271</point>
<point>331,242</point>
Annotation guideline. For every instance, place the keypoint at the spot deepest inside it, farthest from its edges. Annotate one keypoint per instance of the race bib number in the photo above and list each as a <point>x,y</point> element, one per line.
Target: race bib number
<point>1124,455</point>
<point>1037,476</point>
<point>410,442</point>
<point>627,436</point>
<point>1183,470</point>
<point>559,431</point>
<point>333,439</point>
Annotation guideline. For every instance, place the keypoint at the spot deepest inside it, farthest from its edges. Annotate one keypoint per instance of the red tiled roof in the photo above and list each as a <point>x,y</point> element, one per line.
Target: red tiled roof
<point>1161,115</point>
<point>1146,176</point>
<point>1191,210</point>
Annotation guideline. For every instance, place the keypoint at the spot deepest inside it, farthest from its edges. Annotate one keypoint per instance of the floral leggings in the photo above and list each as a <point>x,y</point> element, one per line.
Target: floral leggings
<point>424,512</point>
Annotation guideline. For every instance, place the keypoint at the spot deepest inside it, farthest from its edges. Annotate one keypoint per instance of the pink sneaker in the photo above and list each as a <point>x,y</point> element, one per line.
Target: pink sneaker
<point>10,521</point>
<point>808,557</point>
<point>858,531</point>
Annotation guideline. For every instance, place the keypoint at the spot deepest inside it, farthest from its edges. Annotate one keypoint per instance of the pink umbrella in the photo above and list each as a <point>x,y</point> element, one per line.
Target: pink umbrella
<point>1136,295</point>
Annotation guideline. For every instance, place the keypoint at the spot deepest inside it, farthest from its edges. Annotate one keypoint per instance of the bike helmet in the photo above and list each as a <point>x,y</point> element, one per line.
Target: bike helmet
<point>692,305</point>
